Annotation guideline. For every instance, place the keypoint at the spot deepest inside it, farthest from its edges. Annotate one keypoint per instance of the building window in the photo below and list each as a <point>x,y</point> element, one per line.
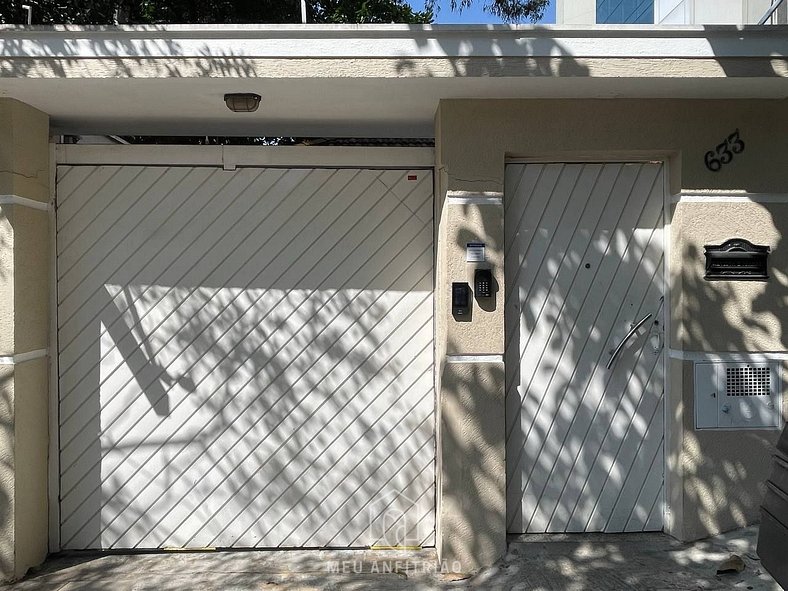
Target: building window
<point>625,12</point>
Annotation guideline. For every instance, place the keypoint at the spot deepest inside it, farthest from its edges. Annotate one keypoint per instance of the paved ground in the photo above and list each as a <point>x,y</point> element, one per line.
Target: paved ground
<point>609,563</point>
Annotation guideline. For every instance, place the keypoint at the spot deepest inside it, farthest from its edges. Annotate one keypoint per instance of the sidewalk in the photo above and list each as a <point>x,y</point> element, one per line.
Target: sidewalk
<point>556,562</point>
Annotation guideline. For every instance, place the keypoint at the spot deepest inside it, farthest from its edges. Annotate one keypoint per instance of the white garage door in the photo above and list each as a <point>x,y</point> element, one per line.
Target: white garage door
<point>245,357</point>
<point>584,329</point>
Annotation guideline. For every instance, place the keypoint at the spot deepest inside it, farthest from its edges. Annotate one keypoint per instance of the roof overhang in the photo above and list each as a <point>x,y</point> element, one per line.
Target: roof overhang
<point>364,80</point>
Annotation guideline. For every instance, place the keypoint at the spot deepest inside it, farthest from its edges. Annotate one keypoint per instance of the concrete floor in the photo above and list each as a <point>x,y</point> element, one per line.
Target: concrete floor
<point>599,562</point>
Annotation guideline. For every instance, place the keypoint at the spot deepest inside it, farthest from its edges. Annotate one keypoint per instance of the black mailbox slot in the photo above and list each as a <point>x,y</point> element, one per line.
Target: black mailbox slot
<point>736,260</point>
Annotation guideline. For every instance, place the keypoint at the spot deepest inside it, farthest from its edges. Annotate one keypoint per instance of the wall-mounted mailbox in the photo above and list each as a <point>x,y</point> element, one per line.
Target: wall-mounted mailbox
<point>736,260</point>
<point>460,299</point>
<point>482,283</point>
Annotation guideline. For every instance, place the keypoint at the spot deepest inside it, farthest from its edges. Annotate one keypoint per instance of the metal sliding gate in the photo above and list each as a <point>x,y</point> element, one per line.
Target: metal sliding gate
<point>245,357</point>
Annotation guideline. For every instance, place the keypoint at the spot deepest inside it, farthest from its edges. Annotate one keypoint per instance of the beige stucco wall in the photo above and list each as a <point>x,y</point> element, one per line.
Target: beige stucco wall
<point>473,504</point>
<point>724,315</point>
<point>6,281</point>
<point>6,472</point>
<point>31,441</point>
<point>31,279</point>
<point>479,135</point>
<point>24,285</point>
<point>471,501</point>
<point>561,64</point>
<point>24,170</point>
<point>714,478</point>
<point>482,332</point>
<point>724,470</point>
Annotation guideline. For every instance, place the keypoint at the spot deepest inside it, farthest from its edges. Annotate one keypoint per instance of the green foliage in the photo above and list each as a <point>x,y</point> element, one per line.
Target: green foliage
<point>513,11</point>
<point>510,11</point>
<point>108,12</point>
<point>367,11</point>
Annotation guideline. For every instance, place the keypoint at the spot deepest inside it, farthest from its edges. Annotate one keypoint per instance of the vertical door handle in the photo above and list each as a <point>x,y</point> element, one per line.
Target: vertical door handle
<point>617,351</point>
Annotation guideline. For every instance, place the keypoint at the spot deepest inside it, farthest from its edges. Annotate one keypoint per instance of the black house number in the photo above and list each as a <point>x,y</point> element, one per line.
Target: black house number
<point>724,152</point>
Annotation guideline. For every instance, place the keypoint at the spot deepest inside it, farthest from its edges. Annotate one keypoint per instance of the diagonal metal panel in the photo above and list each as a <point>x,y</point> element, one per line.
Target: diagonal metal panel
<point>584,260</point>
<point>246,357</point>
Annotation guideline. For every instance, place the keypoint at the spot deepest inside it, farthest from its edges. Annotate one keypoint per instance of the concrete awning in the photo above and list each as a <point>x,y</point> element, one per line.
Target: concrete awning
<point>370,80</point>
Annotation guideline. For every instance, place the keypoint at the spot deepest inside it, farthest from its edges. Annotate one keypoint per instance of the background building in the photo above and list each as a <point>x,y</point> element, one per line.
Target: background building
<point>664,12</point>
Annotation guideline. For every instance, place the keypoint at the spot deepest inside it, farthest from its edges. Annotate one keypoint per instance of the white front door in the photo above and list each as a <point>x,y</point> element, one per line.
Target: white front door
<point>584,347</point>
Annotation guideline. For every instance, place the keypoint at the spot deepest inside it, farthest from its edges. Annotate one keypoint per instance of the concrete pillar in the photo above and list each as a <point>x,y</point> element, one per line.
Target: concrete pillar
<point>24,323</point>
<point>470,381</point>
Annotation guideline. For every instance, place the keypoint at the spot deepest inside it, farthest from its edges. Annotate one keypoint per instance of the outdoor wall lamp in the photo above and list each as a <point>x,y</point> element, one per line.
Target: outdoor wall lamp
<point>242,102</point>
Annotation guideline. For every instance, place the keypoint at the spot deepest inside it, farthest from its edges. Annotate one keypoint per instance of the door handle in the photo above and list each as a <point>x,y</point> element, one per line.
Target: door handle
<point>617,351</point>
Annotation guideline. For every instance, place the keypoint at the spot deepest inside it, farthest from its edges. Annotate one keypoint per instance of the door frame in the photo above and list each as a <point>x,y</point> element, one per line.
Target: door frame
<point>228,158</point>
<point>672,426</point>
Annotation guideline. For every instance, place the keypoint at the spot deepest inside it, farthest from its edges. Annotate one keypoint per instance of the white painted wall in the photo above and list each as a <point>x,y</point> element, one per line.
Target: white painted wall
<point>709,12</point>
<point>575,12</point>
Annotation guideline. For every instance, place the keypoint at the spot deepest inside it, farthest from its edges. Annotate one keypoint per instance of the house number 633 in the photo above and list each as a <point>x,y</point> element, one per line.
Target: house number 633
<point>724,152</point>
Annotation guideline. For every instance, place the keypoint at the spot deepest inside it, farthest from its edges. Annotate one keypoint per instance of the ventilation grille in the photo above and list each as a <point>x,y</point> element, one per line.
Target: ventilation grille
<point>749,380</point>
<point>744,394</point>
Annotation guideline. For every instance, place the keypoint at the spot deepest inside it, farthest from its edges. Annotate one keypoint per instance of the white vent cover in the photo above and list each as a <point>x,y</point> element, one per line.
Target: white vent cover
<point>737,395</point>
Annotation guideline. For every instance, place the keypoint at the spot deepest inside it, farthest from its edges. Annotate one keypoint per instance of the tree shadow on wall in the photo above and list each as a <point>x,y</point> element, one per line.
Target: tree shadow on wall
<point>585,443</point>
<point>539,55</point>
<point>537,58</point>
<point>724,471</point>
<point>6,405</point>
<point>258,373</point>
<point>6,465</point>
<point>577,275</point>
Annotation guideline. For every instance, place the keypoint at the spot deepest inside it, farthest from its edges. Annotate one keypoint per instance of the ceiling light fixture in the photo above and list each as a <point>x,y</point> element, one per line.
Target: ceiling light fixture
<point>242,102</point>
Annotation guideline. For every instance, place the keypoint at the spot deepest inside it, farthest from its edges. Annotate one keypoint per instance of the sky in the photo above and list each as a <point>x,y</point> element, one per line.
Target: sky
<point>474,14</point>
